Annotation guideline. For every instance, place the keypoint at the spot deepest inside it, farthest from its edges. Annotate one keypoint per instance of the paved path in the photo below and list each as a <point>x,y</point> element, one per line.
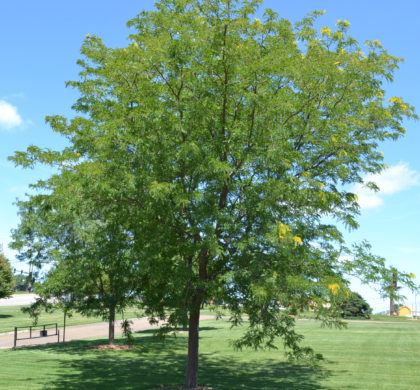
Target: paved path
<point>18,300</point>
<point>77,332</point>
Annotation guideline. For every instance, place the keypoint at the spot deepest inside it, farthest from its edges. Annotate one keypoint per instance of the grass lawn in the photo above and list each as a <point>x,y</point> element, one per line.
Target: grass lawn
<point>380,317</point>
<point>11,316</point>
<point>365,356</point>
<point>373,317</point>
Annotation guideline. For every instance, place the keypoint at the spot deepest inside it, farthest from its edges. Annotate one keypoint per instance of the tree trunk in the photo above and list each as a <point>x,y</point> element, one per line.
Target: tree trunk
<point>64,328</point>
<point>111,333</point>
<point>391,307</point>
<point>394,289</point>
<point>191,380</point>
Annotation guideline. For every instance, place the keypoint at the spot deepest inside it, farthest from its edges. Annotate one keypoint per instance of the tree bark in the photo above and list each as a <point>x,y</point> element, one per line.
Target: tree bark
<point>191,380</point>
<point>111,333</point>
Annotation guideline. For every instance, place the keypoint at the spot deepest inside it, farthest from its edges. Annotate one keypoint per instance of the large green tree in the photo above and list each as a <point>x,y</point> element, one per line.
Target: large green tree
<point>228,142</point>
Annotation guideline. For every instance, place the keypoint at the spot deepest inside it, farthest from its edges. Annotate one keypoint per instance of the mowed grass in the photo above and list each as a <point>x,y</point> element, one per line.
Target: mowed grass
<point>11,316</point>
<point>369,355</point>
<point>365,356</point>
<point>374,317</point>
<point>381,317</point>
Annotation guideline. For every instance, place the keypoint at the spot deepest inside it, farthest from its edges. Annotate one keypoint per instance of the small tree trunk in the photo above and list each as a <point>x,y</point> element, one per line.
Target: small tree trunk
<point>391,307</point>
<point>64,327</point>
<point>191,380</point>
<point>111,333</point>
<point>394,289</point>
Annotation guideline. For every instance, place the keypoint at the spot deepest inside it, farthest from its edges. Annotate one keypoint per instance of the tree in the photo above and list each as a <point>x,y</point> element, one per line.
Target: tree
<point>355,306</point>
<point>228,142</point>
<point>90,270</point>
<point>7,282</point>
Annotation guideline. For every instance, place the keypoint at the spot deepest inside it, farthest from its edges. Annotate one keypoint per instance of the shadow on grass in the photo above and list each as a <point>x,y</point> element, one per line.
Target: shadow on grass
<point>153,331</point>
<point>154,363</point>
<point>5,316</point>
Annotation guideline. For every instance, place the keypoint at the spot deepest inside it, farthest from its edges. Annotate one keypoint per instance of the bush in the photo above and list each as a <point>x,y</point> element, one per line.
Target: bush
<point>355,306</point>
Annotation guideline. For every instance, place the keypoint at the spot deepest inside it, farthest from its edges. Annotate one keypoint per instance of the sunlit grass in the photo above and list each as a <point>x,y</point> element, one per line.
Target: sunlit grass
<point>365,356</point>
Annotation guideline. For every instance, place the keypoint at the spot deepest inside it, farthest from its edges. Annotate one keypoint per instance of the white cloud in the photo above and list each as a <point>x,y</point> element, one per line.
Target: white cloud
<point>368,200</point>
<point>394,179</point>
<point>9,116</point>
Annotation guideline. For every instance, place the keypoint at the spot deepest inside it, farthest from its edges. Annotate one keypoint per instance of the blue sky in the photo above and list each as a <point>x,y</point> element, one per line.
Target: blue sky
<point>40,44</point>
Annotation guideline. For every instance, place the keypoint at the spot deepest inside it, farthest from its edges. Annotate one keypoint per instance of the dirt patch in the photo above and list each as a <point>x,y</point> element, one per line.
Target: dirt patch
<point>179,332</point>
<point>115,347</point>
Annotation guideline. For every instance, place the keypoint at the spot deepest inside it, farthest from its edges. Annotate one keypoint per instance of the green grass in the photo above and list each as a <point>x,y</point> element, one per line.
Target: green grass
<point>380,317</point>
<point>369,355</point>
<point>11,316</point>
<point>365,356</point>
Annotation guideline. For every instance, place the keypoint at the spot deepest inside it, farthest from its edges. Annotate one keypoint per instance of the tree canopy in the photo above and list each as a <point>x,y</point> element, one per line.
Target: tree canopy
<point>222,147</point>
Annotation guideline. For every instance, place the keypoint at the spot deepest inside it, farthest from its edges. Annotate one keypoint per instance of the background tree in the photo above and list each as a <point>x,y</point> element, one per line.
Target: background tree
<point>7,282</point>
<point>355,306</point>
<point>90,268</point>
<point>29,245</point>
<point>228,141</point>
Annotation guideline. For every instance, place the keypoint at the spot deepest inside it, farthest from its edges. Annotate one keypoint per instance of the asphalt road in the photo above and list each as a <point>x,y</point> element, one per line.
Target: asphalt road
<point>18,300</point>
